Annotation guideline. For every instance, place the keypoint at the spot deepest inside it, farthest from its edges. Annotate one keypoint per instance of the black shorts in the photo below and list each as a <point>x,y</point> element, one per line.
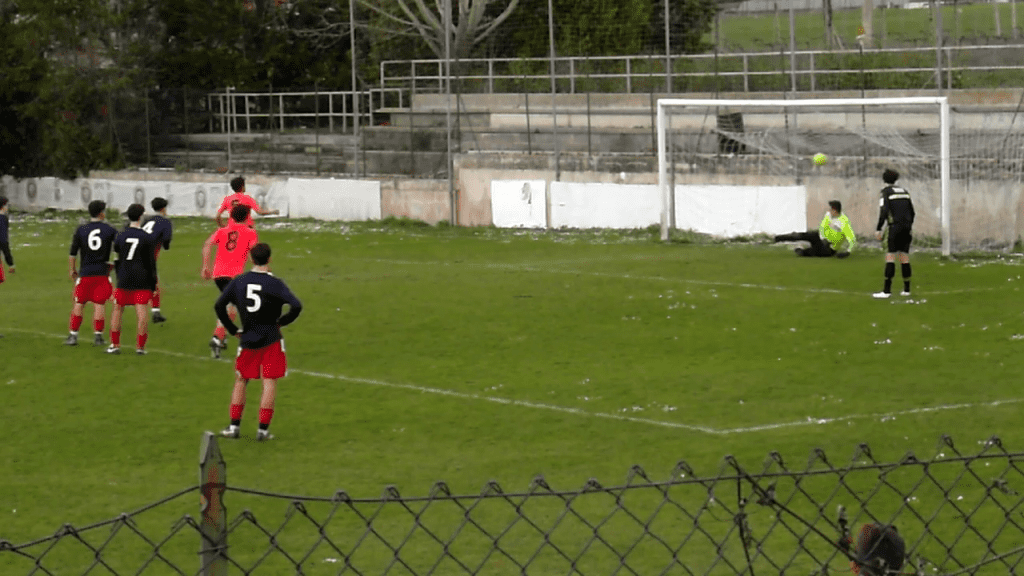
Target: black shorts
<point>899,241</point>
<point>222,282</point>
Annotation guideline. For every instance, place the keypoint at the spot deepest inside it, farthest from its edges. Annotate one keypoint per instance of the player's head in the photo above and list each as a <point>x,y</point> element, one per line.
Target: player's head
<point>836,205</point>
<point>158,204</point>
<point>96,208</point>
<point>135,212</point>
<point>239,212</point>
<point>3,202</point>
<point>890,176</point>
<point>880,549</point>
<point>260,254</point>
<point>238,184</point>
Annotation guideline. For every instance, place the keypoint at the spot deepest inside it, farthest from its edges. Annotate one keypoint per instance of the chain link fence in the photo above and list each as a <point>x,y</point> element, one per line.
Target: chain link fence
<point>959,512</point>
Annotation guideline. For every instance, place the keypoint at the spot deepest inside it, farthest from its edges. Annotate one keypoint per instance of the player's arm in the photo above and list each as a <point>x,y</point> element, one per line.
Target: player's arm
<point>207,270</point>
<point>262,212</point>
<point>220,307</point>
<point>167,237</point>
<point>851,238</point>
<point>224,207</point>
<point>73,258</point>
<point>294,307</point>
<point>882,213</point>
<point>5,247</point>
<point>823,226</point>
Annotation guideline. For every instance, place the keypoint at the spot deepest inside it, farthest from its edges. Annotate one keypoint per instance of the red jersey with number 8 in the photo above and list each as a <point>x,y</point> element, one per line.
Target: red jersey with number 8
<point>233,243</point>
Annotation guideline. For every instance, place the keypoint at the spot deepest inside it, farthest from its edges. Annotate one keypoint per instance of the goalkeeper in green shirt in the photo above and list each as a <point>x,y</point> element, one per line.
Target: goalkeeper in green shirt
<point>828,239</point>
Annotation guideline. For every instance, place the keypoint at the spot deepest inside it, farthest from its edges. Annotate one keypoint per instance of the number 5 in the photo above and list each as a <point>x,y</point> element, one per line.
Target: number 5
<point>252,294</point>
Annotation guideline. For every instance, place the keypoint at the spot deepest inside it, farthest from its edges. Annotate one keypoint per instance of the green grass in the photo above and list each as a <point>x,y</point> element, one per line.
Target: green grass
<point>471,355</point>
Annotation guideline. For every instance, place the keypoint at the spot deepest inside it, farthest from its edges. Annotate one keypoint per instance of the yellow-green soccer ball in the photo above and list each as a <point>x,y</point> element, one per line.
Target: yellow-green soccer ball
<point>819,159</point>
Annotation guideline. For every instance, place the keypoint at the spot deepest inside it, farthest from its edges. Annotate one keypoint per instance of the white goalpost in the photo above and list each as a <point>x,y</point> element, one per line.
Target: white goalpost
<point>716,154</point>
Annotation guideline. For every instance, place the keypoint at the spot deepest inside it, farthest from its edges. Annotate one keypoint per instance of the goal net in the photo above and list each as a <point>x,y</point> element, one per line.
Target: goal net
<point>742,167</point>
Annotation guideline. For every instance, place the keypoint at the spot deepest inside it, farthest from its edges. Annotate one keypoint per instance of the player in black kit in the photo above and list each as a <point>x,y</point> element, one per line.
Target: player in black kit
<point>897,210</point>
<point>160,228</point>
<point>94,240</point>
<point>259,298</point>
<point>136,279</point>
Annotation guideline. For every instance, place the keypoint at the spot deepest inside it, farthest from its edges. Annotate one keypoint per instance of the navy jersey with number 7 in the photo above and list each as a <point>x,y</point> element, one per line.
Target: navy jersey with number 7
<point>260,298</point>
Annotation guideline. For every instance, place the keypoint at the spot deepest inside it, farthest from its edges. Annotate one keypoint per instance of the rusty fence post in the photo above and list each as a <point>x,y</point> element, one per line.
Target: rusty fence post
<point>213,525</point>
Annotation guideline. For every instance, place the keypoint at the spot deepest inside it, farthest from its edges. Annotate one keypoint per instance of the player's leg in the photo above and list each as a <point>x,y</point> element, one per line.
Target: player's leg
<point>273,366</point>
<point>890,271</point>
<point>141,323</point>
<point>905,270</point>
<point>218,341</point>
<point>797,236</point>
<point>99,320</point>
<point>819,247</point>
<point>157,316</point>
<point>267,408</point>
<point>115,322</point>
<point>237,405</point>
<point>77,311</point>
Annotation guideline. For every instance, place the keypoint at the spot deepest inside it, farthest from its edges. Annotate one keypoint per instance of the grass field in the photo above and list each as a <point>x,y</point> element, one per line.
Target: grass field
<point>470,355</point>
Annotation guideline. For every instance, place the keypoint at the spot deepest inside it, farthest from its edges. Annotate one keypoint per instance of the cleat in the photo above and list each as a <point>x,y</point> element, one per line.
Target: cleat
<point>71,340</point>
<point>140,351</point>
<point>263,436</point>
<point>99,341</point>
<point>905,293</point>
<point>881,295</point>
<point>798,251</point>
<point>215,347</point>
<point>158,318</point>
<point>113,349</point>
<point>230,432</point>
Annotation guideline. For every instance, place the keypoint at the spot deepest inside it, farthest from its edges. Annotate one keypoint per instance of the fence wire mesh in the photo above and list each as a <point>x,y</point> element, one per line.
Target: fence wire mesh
<point>959,513</point>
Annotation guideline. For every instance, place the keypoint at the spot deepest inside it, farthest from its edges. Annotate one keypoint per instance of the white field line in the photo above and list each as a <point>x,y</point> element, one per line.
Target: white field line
<point>882,417</point>
<point>543,269</point>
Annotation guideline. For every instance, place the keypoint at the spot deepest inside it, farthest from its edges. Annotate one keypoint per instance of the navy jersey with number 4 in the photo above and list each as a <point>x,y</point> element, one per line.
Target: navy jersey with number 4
<point>259,297</point>
<point>161,231</point>
<point>136,260</point>
<point>94,240</point>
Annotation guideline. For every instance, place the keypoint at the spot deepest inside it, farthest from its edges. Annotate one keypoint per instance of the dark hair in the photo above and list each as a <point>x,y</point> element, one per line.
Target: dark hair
<point>158,203</point>
<point>890,176</point>
<point>836,205</point>
<point>134,212</point>
<point>260,254</point>
<point>96,207</point>
<point>3,201</point>
<point>239,212</point>
<point>880,549</point>
<point>238,184</point>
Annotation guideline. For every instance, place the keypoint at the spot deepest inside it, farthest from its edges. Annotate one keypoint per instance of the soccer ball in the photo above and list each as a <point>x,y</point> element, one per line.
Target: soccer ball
<point>819,159</point>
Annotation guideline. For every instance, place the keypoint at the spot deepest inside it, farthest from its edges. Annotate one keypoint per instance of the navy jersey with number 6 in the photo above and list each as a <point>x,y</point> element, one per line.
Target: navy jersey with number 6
<point>259,297</point>
<point>94,240</point>
<point>136,262</point>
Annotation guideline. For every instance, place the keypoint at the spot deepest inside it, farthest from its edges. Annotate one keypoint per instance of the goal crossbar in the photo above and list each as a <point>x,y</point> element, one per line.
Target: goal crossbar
<point>942,102</point>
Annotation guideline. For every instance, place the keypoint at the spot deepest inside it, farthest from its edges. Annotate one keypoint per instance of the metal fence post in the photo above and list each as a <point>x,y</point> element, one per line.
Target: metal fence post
<point>213,525</point>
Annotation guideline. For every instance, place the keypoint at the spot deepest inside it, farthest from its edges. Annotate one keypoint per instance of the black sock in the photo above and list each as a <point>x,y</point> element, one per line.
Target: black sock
<point>890,271</point>
<point>236,422</point>
<point>264,426</point>
<point>905,269</point>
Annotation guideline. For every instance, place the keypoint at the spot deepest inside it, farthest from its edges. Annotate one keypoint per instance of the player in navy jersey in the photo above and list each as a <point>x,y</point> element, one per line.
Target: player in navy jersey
<point>5,241</point>
<point>94,240</point>
<point>260,297</point>
<point>896,210</point>
<point>160,228</point>
<point>136,279</point>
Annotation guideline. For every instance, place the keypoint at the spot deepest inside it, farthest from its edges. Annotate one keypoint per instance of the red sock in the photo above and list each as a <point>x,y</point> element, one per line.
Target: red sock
<point>115,338</point>
<point>220,332</point>
<point>76,323</point>
<point>156,298</point>
<point>236,411</point>
<point>265,415</point>
<point>97,325</point>
<point>140,341</point>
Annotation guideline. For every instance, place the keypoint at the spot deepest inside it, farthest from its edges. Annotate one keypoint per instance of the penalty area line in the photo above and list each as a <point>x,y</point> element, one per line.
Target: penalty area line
<point>809,421</point>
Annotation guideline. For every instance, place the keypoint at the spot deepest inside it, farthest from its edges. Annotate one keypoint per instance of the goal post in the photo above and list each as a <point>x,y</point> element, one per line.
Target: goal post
<point>736,144</point>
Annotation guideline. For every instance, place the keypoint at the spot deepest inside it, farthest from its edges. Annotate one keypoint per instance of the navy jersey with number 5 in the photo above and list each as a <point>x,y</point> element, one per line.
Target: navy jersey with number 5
<point>94,240</point>
<point>259,297</point>
<point>136,261</point>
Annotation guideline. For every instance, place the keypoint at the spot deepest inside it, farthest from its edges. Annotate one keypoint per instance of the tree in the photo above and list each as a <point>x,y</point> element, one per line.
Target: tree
<point>471,21</point>
<point>689,23</point>
<point>582,28</point>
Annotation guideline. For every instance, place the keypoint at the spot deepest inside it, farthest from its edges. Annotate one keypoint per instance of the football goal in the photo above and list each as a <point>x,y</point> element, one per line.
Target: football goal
<point>748,166</point>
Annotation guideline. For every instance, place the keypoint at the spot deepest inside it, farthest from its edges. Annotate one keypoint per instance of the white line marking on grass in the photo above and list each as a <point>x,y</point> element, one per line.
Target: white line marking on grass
<point>884,416</point>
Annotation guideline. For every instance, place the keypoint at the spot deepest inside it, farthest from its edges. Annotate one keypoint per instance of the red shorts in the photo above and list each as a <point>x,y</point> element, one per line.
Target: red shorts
<point>95,289</point>
<point>131,297</point>
<point>1,273</point>
<point>266,362</point>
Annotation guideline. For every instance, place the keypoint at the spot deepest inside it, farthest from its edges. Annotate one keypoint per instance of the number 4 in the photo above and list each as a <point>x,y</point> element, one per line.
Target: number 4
<point>252,294</point>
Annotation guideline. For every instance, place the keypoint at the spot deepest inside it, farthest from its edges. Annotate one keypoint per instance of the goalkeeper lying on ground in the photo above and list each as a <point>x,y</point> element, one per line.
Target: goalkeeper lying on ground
<point>834,228</point>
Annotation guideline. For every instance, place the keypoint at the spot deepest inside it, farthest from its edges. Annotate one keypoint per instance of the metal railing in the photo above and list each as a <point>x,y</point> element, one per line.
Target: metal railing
<point>802,70</point>
<point>265,111</point>
<point>958,514</point>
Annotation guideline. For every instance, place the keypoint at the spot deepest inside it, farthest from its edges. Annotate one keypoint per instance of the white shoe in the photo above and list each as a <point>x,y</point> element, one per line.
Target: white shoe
<point>114,349</point>
<point>904,293</point>
<point>230,432</point>
<point>264,435</point>
<point>881,295</point>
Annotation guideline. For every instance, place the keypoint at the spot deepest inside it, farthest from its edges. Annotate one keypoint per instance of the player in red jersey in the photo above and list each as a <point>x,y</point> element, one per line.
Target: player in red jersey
<point>136,279</point>
<point>259,297</point>
<point>161,229</point>
<point>94,240</point>
<point>233,243</point>
<point>240,197</point>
